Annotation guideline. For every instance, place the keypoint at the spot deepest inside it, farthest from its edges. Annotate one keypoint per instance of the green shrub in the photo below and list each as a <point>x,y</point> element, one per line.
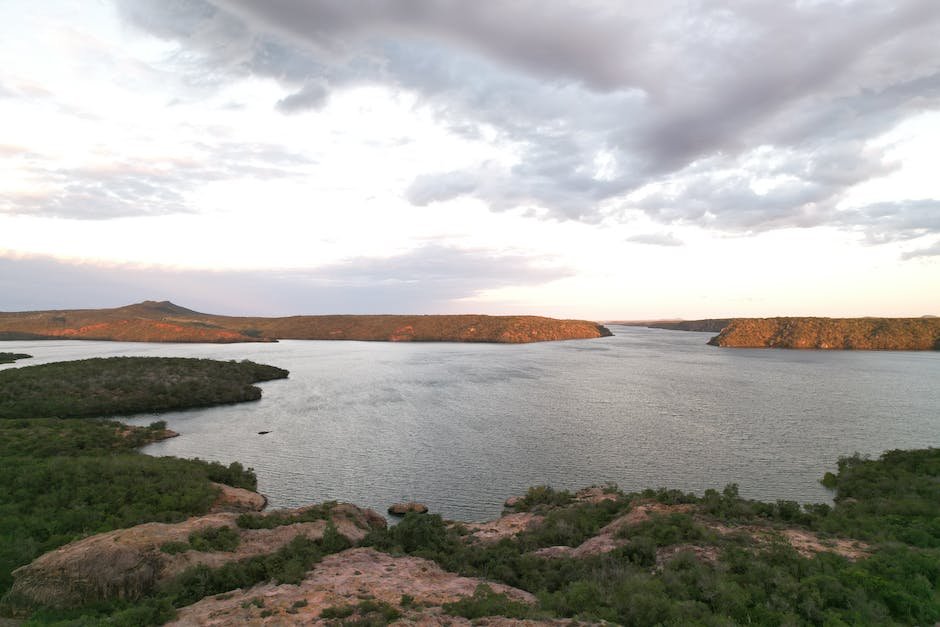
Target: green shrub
<point>214,539</point>
<point>486,602</point>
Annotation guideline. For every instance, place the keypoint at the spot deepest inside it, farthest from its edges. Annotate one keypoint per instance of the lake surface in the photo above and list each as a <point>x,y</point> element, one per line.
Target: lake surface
<point>462,426</point>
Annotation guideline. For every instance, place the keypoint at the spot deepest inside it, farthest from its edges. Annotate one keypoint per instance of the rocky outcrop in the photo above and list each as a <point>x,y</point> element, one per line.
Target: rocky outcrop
<point>129,562</point>
<point>152,321</point>
<point>237,500</point>
<point>832,333</point>
<point>346,579</point>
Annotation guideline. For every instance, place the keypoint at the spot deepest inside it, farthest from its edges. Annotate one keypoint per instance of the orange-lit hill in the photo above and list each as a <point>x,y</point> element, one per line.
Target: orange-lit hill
<point>832,333</point>
<point>153,321</point>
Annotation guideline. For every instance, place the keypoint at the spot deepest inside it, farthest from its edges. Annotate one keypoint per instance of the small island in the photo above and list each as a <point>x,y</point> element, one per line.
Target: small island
<point>152,321</point>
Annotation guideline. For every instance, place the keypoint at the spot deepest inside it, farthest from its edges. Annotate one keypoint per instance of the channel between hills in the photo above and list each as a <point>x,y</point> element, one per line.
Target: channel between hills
<point>163,321</point>
<point>907,334</point>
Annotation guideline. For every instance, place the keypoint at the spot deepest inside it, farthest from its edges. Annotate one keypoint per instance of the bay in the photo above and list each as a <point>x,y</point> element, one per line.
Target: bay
<point>462,426</point>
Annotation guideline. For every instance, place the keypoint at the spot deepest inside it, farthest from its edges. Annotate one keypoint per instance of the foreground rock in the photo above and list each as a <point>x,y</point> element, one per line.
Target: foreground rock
<point>129,562</point>
<point>347,579</point>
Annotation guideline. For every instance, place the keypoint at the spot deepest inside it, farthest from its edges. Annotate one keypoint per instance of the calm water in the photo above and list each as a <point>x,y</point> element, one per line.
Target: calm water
<point>463,426</point>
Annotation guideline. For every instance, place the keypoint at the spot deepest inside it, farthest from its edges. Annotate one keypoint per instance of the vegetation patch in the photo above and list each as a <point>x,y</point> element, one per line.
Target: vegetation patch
<point>486,602</point>
<point>9,358</point>
<point>368,612</point>
<point>208,540</point>
<point>127,385</point>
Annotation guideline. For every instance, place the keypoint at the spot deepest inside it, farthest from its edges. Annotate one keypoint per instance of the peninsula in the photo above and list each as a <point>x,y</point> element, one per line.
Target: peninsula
<point>907,334</point>
<point>152,321</point>
<point>898,334</point>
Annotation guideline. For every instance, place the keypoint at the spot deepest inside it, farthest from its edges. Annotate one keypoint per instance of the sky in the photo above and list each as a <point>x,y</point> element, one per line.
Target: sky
<point>592,159</point>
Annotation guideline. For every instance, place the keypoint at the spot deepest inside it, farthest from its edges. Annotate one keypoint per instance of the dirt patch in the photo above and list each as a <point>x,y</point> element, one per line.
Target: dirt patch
<point>809,544</point>
<point>347,578</point>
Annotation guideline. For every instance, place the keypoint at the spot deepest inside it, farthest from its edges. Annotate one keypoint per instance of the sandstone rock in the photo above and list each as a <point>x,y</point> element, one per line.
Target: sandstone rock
<point>128,562</point>
<point>400,509</point>
<point>513,501</point>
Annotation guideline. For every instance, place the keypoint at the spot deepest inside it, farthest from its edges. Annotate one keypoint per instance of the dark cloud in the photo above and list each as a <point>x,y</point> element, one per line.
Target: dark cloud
<point>660,91</point>
<point>311,96</point>
<point>432,279</point>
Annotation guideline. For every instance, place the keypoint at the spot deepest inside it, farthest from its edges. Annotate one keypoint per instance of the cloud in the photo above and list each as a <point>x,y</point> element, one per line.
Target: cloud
<point>895,221</point>
<point>930,251</point>
<point>432,279</point>
<point>661,92</point>
<point>429,188</point>
<point>311,96</point>
<point>656,239</point>
<point>145,186</point>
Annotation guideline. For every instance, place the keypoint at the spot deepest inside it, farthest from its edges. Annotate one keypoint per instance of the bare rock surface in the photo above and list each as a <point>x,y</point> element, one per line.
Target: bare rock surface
<point>128,562</point>
<point>347,578</point>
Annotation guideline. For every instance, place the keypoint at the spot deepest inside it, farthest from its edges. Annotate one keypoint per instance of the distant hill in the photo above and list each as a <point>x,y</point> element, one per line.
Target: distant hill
<point>710,325</point>
<point>832,333</point>
<point>163,321</point>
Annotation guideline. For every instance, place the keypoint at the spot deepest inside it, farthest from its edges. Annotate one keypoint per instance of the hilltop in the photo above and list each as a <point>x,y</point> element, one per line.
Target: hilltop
<point>163,321</point>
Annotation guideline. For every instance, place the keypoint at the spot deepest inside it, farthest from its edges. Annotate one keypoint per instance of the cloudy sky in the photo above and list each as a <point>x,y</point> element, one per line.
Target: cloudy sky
<point>593,159</point>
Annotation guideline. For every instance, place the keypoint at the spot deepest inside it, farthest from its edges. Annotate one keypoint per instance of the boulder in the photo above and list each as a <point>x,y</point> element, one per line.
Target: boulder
<point>400,509</point>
